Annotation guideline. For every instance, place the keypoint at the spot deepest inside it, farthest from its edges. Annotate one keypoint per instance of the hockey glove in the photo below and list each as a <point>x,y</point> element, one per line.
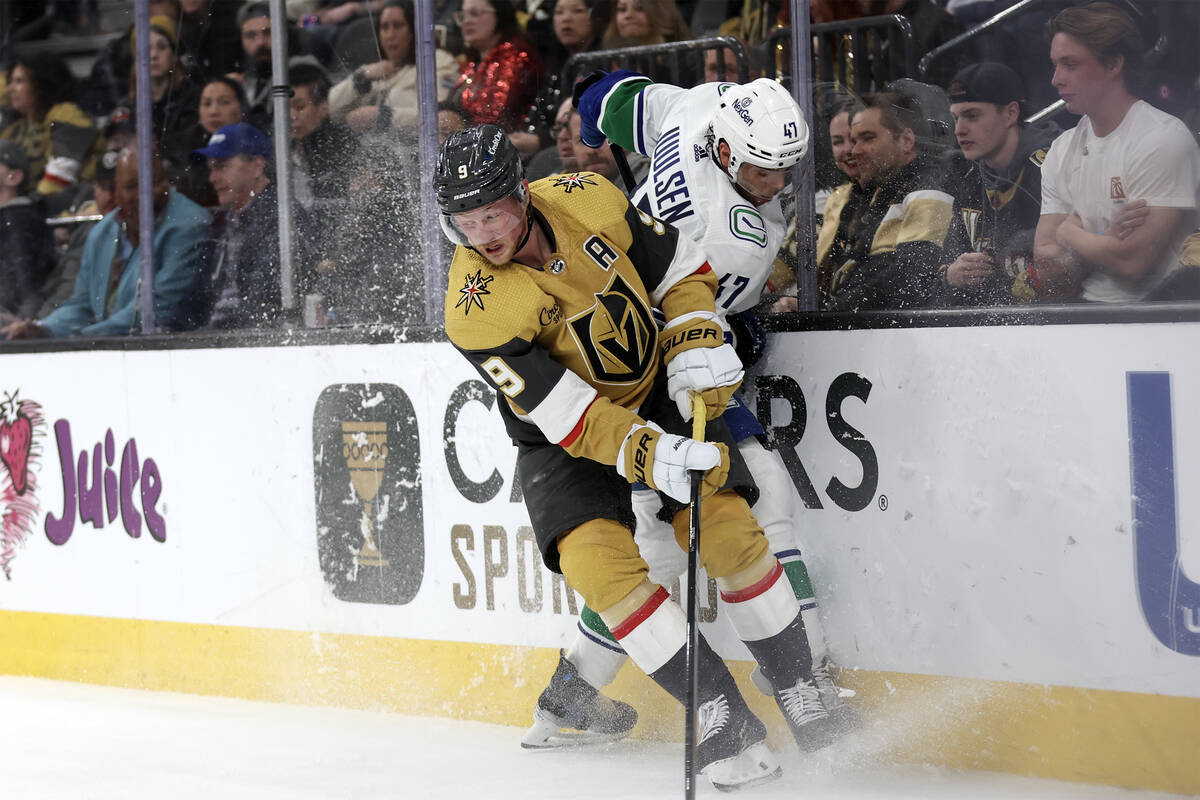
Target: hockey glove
<point>585,83</point>
<point>698,360</point>
<point>749,336</point>
<point>663,462</point>
<point>589,133</point>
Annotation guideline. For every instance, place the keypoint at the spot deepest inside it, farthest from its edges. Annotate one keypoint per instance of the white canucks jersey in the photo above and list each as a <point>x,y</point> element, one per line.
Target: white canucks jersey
<point>684,188</point>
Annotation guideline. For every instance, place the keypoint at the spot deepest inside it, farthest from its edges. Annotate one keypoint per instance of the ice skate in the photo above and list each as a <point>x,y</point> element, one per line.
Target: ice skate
<point>731,750</point>
<point>843,717</point>
<point>806,715</point>
<point>572,713</point>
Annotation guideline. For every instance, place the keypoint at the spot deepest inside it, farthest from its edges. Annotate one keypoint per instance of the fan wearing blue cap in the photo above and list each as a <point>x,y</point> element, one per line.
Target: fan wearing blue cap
<point>243,290</point>
<point>238,156</point>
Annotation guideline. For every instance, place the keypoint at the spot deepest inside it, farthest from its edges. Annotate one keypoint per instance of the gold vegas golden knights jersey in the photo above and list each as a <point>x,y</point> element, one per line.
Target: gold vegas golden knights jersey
<point>573,345</point>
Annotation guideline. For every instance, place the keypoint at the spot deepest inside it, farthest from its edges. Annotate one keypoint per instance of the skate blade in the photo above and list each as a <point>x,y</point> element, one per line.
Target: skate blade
<point>753,766</point>
<point>548,733</point>
<point>560,738</point>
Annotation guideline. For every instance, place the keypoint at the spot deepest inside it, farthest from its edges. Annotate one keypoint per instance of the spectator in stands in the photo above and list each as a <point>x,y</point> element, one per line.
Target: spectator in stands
<point>109,82</point>
<point>321,148</point>
<point>503,71</point>
<point>372,273</point>
<point>841,208</point>
<point>578,28</point>
<point>242,289</point>
<point>173,94</point>
<point>643,22</point>
<point>254,26</point>
<point>561,157</point>
<point>222,103</point>
<point>844,204</point>
<point>1119,189</point>
<point>997,187</point>
<point>108,289</point>
<point>209,37</point>
<point>600,159</point>
<point>25,245</point>
<point>894,264</point>
<point>59,284</point>
<point>56,134</point>
<point>721,64</point>
<point>383,95</point>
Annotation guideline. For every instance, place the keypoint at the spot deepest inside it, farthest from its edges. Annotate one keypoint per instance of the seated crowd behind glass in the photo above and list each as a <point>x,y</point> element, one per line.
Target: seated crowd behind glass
<point>995,211</point>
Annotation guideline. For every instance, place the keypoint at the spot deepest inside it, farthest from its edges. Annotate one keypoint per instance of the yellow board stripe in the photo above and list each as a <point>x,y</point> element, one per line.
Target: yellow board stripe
<point>1116,738</point>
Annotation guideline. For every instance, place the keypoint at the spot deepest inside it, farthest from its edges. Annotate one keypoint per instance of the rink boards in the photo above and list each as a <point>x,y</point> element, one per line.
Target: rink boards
<point>996,520</point>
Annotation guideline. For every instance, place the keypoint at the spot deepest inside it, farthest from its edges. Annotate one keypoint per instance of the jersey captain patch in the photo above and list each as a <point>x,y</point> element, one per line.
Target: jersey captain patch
<point>474,290</point>
<point>616,335</point>
<point>575,180</point>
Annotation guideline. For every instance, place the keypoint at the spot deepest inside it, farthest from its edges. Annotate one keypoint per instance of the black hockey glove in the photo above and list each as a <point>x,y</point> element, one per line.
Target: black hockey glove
<point>749,336</point>
<point>584,84</point>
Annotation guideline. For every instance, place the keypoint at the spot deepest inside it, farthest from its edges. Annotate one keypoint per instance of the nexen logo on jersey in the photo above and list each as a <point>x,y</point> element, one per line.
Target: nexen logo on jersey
<point>1170,600</point>
<point>672,200</point>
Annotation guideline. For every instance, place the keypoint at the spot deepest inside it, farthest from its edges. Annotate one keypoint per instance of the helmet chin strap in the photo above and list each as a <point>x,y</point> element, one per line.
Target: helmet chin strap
<point>528,228</point>
<point>714,152</point>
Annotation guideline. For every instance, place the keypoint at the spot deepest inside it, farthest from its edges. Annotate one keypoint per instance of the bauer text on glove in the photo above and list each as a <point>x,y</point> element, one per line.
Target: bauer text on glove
<point>664,461</point>
<point>698,360</point>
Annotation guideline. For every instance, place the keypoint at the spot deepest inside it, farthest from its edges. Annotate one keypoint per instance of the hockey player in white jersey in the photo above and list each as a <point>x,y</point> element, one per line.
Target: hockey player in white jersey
<point>720,156</point>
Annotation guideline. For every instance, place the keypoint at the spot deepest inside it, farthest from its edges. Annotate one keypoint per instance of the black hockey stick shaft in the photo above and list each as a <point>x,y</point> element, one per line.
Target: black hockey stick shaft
<point>623,166</point>
<point>693,631</point>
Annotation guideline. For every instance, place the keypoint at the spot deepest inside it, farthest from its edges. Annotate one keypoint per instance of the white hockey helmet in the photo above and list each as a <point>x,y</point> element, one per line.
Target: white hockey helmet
<point>762,124</point>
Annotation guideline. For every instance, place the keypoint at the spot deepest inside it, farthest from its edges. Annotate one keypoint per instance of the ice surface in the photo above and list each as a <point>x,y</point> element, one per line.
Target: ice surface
<point>83,742</point>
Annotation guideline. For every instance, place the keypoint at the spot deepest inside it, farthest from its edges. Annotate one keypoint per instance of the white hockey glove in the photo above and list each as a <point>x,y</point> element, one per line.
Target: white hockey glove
<point>698,360</point>
<point>663,461</point>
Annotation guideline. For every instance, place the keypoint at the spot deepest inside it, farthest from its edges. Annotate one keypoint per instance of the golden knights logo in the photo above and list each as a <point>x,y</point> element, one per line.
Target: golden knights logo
<point>617,335</point>
<point>474,290</point>
<point>576,180</point>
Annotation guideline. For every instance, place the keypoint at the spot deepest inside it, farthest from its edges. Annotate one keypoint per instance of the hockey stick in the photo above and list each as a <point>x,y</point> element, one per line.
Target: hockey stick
<point>699,415</point>
<point>623,166</point>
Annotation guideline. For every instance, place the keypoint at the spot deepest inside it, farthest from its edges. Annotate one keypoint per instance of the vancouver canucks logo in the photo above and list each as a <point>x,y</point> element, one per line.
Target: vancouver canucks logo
<point>474,290</point>
<point>576,180</point>
<point>617,334</point>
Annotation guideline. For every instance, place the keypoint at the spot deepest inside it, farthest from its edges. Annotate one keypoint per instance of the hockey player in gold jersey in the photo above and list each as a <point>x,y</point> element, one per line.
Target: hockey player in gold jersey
<point>550,296</point>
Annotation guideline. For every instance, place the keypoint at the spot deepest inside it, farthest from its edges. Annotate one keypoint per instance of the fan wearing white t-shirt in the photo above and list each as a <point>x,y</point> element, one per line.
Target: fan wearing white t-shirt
<point>1119,190</point>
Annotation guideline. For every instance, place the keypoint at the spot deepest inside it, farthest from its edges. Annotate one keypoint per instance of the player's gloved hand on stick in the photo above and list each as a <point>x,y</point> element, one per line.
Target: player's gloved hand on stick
<point>663,461</point>
<point>698,360</point>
